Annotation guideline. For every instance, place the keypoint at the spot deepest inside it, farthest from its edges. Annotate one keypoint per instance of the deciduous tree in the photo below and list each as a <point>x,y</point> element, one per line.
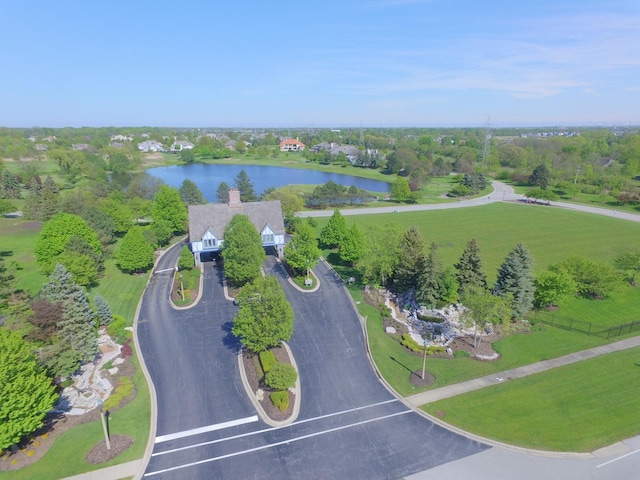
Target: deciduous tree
<point>352,245</point>
<point>629,262</point>
<point>264,318</point>
<point>334,231</point>
<point>168,206</point>
<point>302,251</point>
<point>400,190</point>
<point>552,286</point>
<point>481,308</point>
<point>242,251</point>
<point>381,252</point>
<point>135,253</point>
<point>26,393</point>
<point>596,280</point>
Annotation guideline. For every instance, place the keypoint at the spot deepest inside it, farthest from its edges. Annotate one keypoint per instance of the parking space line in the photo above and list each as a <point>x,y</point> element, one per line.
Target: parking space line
<point>617,458</point>
<point>208,428</point>
<point>264,447</point>
<point>265,430</point>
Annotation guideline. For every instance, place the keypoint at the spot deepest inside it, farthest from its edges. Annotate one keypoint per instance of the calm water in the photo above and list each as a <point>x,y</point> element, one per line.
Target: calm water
<point>209,177</point>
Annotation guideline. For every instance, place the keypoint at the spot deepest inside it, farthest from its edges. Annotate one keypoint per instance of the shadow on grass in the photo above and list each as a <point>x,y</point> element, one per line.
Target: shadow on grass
<point>402,365</point>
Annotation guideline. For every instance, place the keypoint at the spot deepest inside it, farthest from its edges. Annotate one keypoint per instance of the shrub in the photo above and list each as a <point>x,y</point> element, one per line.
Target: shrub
<point>280,399</point>
<point>429,318</point>
<point>116,329</point>
<point>126,350</point>
<point>267,360</point>
<point>410,343</point>
<point>281,376</point>
<point>123,390</point>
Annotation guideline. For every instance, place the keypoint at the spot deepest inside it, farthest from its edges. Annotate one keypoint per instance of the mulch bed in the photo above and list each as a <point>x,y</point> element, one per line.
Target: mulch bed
<point>100,454</point>
<point>251,366</point>
<point>416,378</point>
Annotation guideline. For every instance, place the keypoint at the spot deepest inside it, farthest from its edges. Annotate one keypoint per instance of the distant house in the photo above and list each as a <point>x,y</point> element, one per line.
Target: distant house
<point>208,222</point>
<point>117,145</point>
<point>150,146</point>
<point>291,145</point>
<point>80,146</point>
<point>121,138</point>
<point>40,147</point>
<point>180,145</point>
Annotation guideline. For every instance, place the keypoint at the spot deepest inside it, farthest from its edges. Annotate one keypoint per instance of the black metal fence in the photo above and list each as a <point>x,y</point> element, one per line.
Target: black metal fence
<point>591,328</point>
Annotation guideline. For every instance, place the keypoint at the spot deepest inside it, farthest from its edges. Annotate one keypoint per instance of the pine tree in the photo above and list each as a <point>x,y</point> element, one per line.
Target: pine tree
<point>469,268</point>
<point>515,278</point>
<point>334,231</point>
<point>9,185</point>
<point>77,328</point>
<point>103,310</point>
<point>541,177</point>
<point>7,285</point>
<point>245,186</point>
<point>222,194</point>
<point>429,284</point>
<point>411,261</point>
<point>26,393</point>
<point>190,193</point>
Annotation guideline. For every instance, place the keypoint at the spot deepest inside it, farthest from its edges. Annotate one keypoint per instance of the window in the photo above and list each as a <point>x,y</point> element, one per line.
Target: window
<point>209,243</point>
<point>268,238</point>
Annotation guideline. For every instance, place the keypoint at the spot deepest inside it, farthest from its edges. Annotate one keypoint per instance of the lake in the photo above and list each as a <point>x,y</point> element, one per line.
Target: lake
<point>209,177</point>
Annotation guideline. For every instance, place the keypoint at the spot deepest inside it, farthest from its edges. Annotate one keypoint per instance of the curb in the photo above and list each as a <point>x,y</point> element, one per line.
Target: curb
<point>252,396</point>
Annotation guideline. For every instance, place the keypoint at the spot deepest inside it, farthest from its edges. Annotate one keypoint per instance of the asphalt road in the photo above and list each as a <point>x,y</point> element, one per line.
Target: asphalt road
<point>349,425</point>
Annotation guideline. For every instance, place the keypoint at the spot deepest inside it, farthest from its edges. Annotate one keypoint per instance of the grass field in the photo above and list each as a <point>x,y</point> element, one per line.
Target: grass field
<point>579,407</point>
<point>17,241</point>
<point>66,457</point>
<point>550,234</point>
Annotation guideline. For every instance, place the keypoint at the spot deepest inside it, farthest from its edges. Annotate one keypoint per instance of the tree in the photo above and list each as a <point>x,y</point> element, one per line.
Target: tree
<point>411,261</point>
<point>481,308</point>
<point>222,194</point>
<point>629,262</point>
<point>162,231</point>
<point>469,268</point>
<point>135,254</point>
<point>9,185</point>
<point>101,223</point>
<point>429,284</point>
<point>57,233</point>
<point>7,285</point>
<point>78,327</point>
<point>552,286</point>
<point>475,182</point>
<point>185,261</point>
<point>352,245</point>
<point>302,252</point>
<point>26,393</point>
<point>281,376</point>
<point>187,155</point>
<point>46,316</point>
<point>190,193</point>
<point>264,318</point>
<point>118,211</point>
<point>515,278</point>
<point>595,280</point>
<point>541,194</point>
<point>334,231</point>
<point>82,268</point>
<point>290,202</point>
<point>103,310</point>
<point>168,206</point>
<point>381,252</point>
<point>400,190</point>
<point>245,186</point>
<point>540,177</point>
<point>242,251</point>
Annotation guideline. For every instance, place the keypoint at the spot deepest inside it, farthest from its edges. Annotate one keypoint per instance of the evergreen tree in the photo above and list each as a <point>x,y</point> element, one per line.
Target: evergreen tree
<point>168,206</point>
<point>242,251</point>
<point>515,278</point>
<point>77,329</point>
<point>245,186</point>
<point>541,177</point>
<point>135,253</point>
<point>429,285</point>
<point>26,393</point>
<point>103,310</point>
<point>33,204</point>
<point>190,193</point>
<point>265,318</point>
<point>411,261</point>
<point>7,285</point>
<point>302,251</point>
<point>222,194</point>
<point>334,231</point>
<point>469,268</point>
<point>352,245</point>
<point>9,185</point>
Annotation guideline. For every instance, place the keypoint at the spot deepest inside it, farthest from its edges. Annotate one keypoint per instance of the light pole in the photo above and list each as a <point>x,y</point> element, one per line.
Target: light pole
<point>181,288</point>
<point>424,358</point>
<point>104,424</point>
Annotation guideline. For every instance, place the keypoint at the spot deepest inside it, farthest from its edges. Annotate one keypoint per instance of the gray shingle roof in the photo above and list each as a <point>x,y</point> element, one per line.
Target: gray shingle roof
<point>216,216</point>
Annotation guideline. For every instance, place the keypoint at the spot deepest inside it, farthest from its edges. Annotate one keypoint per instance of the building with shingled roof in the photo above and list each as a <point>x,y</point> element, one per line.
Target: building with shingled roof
<point>207,224</point>
<point>291,145</point>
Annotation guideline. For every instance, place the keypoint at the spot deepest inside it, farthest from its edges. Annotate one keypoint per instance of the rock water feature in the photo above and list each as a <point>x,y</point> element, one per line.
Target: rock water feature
<point>90,385</point>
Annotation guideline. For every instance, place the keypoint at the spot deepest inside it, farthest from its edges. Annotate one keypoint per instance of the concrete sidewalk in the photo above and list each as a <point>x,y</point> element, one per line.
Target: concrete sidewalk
<point>124,470</point>
<point>495,378</point>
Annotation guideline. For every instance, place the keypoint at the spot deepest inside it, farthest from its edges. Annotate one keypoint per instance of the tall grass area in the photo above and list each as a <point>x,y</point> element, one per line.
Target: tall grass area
<point>551,234</point>
<point>66,457</point>
<point>579,407</point>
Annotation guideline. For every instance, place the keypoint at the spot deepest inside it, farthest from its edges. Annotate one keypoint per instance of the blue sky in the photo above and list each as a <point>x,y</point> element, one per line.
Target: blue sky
<point>319,64</point>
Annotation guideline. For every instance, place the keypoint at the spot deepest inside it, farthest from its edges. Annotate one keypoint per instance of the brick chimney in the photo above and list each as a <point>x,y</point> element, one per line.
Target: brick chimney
<point>234,197</point>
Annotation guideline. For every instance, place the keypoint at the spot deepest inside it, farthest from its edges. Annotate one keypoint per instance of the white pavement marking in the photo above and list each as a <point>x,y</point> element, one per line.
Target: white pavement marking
<point>264,447</point>
<point>165,270</point>
<point>208,428</point>
<point>618,458</point>
<point>265,430</point>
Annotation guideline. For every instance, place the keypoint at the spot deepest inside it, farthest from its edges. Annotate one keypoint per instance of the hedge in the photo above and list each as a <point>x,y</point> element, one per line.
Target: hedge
<point>280,400</point>
<point>267,360</point>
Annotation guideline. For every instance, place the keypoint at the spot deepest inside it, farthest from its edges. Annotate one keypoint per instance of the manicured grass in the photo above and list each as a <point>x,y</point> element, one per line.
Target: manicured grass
<point>17,240</point>
<point>66,457</point>
<point>579,407</point>
<point>550,234</point>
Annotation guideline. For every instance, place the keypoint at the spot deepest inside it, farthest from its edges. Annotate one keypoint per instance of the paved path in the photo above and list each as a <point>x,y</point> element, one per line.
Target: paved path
<point>519,372</point>
<point>124,470</point>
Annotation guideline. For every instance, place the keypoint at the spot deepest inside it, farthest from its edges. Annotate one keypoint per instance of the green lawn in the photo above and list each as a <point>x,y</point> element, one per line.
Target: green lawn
<point>66,456</point>
<point>579,407</point>
<point>550,234</point>
<point>17,241</point>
